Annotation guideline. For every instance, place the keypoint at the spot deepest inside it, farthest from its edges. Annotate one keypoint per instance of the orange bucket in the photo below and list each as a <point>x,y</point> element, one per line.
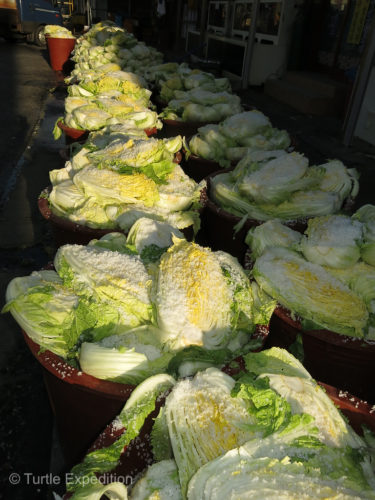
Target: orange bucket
<point>59,50</point>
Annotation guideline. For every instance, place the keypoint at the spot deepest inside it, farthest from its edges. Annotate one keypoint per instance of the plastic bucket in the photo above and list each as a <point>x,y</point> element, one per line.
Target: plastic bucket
<point>59,50</point>
<point>73,134</point>
<point>335,359</point>
<point>82,405</point>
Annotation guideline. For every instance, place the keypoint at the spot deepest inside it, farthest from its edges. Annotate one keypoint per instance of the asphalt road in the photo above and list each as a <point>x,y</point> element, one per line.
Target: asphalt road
<point>27,152</point>
<point>25,80</point>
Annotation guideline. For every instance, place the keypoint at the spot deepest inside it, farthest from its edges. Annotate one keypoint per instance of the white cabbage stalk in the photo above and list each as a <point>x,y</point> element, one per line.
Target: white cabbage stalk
<point>181,220</point>
<point>271,234</point>
<point>127,358</point>
<point>146,232</point>
<point>309,291</point>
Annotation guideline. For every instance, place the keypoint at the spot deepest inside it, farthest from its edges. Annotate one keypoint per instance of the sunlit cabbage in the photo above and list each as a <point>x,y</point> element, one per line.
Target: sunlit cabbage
<point>137,152</point>
<point>90,117</point>
<point>127,358</point>
<point>146,232</point>
<point>108,187</point>
<point>204,421</point>
<point>333,241</point>
<point>287,465</point>
<point>55,31</point>
<point>271,234</point>
<point>203,298</point>
<point>160,481</point>
<point>72,103</point>
<point>270,432</point>
<point>321,300</point>
<point>116,279</point>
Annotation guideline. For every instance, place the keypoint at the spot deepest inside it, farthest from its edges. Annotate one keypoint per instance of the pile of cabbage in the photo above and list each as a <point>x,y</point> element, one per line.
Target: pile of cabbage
<point>325,277</point>
<point>124,308</point>
<point>269,432</point>
<point>279,185</point>
<point>236,136</point>
<point>108,98</point>
<point>107,43</point>
<point>120,175</point>
<point>192,95</point>
<point>55,31</point>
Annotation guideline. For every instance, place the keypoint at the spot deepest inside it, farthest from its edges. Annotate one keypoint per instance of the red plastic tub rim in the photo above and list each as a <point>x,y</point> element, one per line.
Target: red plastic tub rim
<point>357,344</point>
<point>63,371</point>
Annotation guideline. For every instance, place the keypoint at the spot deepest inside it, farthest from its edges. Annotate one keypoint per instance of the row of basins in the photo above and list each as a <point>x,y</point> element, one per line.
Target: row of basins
<point>184,217</point>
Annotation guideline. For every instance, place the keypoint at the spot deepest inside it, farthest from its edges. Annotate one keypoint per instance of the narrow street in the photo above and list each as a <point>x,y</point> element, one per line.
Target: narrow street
<point>27,149</point>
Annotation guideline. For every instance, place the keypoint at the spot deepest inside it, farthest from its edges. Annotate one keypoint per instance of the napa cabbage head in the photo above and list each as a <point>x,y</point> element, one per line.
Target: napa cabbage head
<point>52,316</point>
<point>333,241</point>
<point>202,298</point>
<point>271,234</point>
<point>90,117</point>
<point>117,279</point>
<point>273,181</point>
<point>149,235</point>
<point>204,421</point>
<point>340,180</point>
<point>293,464</point>
<point>244,124</point>
<point>109,187</point>
<point>320,299</point>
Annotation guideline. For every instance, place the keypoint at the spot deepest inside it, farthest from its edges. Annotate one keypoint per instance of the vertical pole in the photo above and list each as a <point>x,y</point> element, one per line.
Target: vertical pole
<point>178,23</point>
<point>202,28</point>
<point>250,45</point>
